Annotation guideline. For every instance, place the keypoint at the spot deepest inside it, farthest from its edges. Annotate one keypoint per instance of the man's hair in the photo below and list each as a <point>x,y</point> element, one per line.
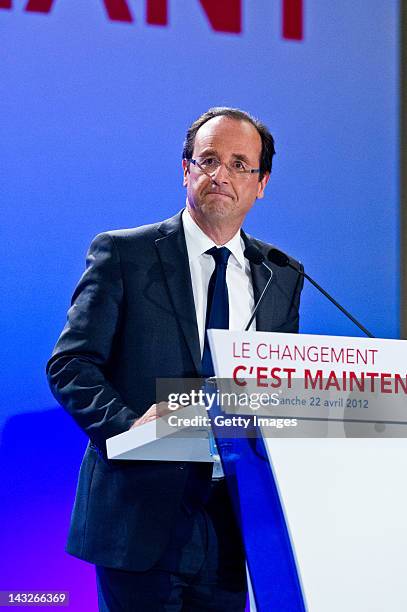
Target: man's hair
<point>267,140</point>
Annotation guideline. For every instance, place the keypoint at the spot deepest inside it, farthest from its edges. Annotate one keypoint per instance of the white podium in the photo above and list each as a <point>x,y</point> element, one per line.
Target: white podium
<point>345,498</point>
<point>163,442</point>
<point>341,479</point>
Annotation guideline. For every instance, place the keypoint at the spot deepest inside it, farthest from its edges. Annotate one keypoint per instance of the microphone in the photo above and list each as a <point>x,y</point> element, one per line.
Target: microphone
<point>256,257</point>
<point>283,261</point>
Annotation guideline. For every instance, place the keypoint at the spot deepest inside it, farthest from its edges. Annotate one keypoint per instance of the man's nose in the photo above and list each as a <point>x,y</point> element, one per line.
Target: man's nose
<point>221,173</point>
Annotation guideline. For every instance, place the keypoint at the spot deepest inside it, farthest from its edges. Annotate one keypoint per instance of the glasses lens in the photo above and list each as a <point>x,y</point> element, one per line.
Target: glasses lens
<point>208,164</point>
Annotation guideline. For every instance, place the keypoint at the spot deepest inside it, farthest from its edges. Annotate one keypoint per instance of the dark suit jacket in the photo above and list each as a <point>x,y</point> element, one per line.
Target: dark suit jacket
<point>132,320</point>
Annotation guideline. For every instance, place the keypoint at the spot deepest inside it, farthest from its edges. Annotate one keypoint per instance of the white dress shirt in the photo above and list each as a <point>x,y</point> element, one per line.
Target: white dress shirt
<point>238,280</point>
<point>238,276</point>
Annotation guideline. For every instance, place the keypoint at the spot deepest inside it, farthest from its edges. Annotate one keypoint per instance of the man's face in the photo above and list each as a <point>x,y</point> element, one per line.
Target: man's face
<point>222,195</point>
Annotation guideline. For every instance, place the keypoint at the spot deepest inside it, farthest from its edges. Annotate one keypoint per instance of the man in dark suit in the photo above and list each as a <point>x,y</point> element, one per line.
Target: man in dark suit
<point>162,534</point>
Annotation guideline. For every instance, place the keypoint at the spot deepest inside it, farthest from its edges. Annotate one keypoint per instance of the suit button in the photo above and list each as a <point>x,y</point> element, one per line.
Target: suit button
<point>182,466</point>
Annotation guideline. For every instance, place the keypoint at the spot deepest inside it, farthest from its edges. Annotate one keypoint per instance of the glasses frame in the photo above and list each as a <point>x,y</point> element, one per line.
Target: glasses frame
<point>231,174</point>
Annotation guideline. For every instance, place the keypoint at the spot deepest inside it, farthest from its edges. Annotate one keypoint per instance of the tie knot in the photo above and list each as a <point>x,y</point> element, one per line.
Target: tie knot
<point>220,256</point>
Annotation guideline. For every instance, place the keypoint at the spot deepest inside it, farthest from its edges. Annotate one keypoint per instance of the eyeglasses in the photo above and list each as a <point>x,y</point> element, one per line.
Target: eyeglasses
<point>209,165</point>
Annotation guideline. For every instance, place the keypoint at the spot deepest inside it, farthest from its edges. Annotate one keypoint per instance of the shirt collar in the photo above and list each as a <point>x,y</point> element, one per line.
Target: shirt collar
<point>198,242</point>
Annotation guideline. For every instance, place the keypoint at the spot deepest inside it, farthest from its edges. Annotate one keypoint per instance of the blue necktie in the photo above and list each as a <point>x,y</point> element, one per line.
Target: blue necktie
<point>217,310</point>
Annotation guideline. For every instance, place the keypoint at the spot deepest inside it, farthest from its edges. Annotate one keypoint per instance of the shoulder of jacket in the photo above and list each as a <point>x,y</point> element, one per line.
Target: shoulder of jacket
<point>149,232</point>
<point>266,246</point>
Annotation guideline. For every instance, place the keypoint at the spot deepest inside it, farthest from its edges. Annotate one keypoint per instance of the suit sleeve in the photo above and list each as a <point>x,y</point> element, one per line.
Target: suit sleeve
<point>78,365</point>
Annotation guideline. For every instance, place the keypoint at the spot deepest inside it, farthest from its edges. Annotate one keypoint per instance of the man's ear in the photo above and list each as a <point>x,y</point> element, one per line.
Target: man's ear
<point>262,185</point>
<point>185,171</point>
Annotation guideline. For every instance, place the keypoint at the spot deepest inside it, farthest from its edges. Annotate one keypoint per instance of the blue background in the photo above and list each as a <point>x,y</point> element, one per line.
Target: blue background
<point>92,118</point>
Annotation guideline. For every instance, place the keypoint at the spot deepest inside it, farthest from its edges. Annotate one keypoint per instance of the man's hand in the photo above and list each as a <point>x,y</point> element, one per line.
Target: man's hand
<point>154,412</point>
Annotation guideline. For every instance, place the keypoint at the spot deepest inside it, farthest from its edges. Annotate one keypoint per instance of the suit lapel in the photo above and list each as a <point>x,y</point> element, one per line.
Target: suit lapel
<point>173,255</point>
<point>265,315</point>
